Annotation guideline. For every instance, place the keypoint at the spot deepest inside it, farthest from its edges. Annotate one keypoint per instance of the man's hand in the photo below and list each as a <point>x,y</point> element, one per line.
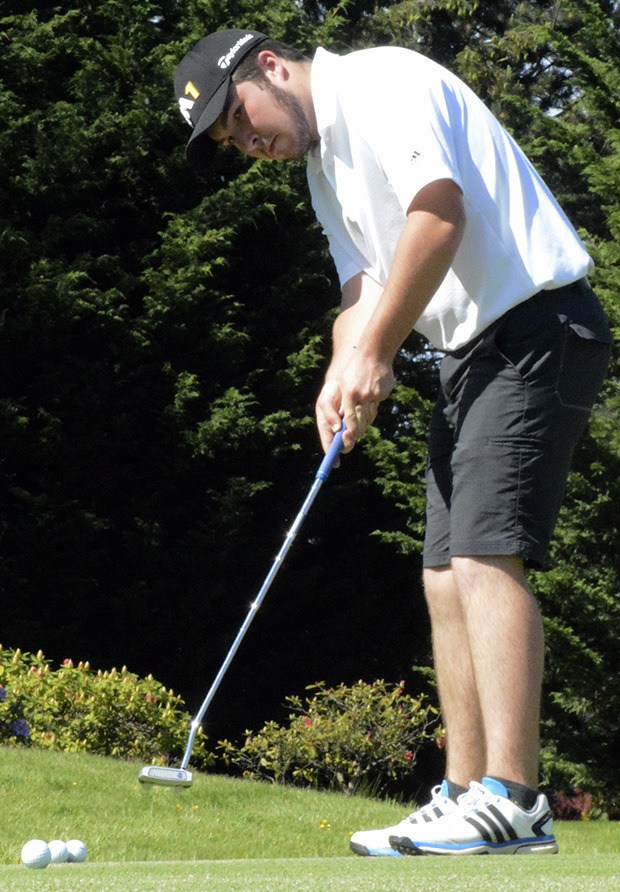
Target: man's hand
<point>328,417</point>
<point>355,398</point>
<point>366,382</point>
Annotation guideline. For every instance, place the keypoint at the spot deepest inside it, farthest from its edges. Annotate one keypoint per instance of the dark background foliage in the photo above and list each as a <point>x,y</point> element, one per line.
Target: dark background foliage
<point>163,336</point>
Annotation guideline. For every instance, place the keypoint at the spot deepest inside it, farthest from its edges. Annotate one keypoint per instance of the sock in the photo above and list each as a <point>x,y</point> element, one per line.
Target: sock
<point>454,790</point>
<point>524,796</point>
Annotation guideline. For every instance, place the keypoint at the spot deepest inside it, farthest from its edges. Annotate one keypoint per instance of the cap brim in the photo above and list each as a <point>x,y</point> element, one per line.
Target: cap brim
<point>200,149</point>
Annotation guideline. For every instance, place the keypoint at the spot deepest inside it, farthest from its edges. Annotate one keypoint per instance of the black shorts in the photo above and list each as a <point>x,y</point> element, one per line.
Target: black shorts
<point>512,406</point>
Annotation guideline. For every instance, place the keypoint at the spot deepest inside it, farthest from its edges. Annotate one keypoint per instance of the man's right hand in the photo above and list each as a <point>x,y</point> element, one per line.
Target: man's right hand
<point>328,418</point>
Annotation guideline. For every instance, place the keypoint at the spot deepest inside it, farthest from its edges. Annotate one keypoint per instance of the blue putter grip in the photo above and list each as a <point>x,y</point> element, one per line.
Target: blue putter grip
<point>331,455</point>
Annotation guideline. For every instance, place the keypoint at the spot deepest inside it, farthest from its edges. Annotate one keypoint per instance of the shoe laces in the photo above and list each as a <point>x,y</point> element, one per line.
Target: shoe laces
<point>476,796</point>
<point>437,797</point>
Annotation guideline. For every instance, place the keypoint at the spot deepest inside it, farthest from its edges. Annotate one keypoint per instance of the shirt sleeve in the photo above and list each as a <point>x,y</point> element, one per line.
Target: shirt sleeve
<point>414,134</point>
<point>346,265</point>
<point>348,259</point>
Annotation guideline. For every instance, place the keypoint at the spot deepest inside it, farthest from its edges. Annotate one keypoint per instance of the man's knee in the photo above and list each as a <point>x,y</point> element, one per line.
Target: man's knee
<point>436,577</point>
<point>470,572</point>
<point>440,591</point>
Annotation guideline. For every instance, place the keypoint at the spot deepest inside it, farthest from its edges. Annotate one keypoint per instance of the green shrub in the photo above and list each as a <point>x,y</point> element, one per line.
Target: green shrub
<point>112,713</point>
<point>365,737</point>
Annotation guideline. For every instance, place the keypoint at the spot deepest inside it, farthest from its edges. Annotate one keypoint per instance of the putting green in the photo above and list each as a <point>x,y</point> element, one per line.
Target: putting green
<point>488,874</point>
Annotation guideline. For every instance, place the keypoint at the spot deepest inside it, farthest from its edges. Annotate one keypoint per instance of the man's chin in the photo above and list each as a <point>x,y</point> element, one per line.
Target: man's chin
<point>296,154</point>
<point>304,149</point>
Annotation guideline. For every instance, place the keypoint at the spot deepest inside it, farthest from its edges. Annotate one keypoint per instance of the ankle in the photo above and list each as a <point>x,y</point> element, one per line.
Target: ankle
<point>525,797</point>
<point>454,790</point>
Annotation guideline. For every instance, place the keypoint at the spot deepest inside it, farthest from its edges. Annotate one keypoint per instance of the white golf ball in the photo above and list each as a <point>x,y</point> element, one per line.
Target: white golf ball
<point>77,850</point>
<point>58,851</point>
<point>36,853</point>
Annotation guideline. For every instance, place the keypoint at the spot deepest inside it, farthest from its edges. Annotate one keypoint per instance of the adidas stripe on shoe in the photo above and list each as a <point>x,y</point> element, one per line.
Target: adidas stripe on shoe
<point>485,821</point>
<point>377,842</point>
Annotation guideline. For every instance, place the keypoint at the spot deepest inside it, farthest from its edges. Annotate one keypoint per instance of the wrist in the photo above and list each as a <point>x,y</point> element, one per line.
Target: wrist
<point>373,350</point>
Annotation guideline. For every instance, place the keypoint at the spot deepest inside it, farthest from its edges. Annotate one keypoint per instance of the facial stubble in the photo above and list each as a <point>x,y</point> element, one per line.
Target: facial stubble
<point>292,105</point>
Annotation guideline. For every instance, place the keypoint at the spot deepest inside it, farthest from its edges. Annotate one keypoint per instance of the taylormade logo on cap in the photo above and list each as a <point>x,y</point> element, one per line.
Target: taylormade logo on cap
<point>225,61</point>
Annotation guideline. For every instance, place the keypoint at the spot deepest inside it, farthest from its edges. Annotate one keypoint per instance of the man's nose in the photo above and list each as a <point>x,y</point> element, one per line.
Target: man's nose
<point>250,142</point>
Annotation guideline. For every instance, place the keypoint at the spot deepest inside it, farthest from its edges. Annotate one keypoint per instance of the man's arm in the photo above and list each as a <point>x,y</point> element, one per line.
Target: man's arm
<point>372,325</point>
<point>360,296</point>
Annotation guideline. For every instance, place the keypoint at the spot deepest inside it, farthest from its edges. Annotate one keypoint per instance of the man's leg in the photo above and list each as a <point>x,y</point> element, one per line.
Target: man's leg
<point>513,403</point>
<point>506,643</point>
<point>456,681</point>
<point>465,749</point>
<point>488,650</point>
<point>488,645</point>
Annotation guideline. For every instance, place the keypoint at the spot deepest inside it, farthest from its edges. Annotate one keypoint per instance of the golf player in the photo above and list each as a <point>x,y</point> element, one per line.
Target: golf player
<point>438,222</point>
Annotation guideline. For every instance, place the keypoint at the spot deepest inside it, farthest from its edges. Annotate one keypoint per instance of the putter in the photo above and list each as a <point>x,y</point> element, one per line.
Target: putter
<point>167,776</point>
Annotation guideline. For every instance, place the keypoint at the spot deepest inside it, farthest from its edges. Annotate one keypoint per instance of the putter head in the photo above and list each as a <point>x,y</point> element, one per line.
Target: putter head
<point>165,777</point>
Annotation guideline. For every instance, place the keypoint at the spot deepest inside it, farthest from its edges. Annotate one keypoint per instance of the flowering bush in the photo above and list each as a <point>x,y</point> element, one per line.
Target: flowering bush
<point>12,726</point>
<point>572,805</point>
<point>112,713</point>
<point>362,737</point>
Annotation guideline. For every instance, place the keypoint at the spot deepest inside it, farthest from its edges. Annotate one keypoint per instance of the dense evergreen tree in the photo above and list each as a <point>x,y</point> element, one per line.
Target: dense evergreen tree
<point>162,340</point>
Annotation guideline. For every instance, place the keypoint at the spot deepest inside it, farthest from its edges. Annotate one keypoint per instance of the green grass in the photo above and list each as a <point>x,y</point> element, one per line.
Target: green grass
<point>236,836</point>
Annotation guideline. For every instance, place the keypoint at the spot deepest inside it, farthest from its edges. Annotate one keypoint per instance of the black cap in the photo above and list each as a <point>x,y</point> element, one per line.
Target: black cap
<point>201,84</point>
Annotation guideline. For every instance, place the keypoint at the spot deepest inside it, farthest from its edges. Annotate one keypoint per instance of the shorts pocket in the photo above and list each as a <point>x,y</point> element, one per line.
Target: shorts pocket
<point>585,363</point>
<point>555,359</point>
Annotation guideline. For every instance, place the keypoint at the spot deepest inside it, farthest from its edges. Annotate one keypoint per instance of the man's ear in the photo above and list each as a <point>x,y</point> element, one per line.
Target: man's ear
<point>272,66</point>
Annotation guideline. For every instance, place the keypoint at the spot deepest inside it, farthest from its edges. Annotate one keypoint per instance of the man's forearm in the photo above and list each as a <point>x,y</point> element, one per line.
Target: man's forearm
<point>360,296</point>
<point>423,256</point>
<point>374,322</point>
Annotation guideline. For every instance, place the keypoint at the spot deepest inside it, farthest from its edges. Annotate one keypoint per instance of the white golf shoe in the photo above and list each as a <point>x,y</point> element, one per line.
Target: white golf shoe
<point>485,821</point>
<point>377,842</point>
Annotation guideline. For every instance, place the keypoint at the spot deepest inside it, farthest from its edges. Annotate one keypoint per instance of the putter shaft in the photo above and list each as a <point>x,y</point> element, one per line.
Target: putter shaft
<point>167,776</point>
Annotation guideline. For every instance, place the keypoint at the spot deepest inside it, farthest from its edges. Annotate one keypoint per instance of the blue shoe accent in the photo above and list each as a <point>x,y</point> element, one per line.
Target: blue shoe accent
<point>374,852</point>
<point>444,789</point>
<point>496,787</point>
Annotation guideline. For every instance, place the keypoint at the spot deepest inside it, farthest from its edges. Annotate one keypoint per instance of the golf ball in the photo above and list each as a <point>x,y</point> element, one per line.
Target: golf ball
<point>76,849</point>
<point>36,853</point>
<point>58,851</point>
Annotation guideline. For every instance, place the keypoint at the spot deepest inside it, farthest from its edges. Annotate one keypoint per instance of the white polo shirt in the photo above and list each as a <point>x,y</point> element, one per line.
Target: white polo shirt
<point>392,121</point>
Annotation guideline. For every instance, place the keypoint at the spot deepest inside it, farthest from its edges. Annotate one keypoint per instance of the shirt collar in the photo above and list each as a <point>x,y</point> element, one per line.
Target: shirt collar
<point>322,78</point>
